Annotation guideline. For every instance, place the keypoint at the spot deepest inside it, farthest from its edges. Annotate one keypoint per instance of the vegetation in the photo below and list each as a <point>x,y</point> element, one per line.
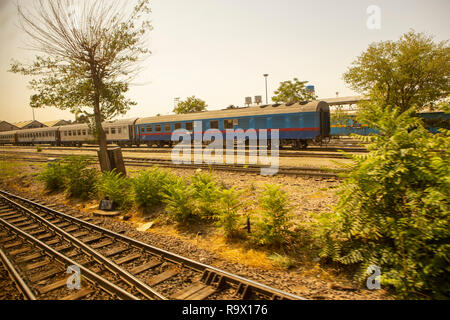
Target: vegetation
<point>293,91</point>
<point>394,208</point>
<point>191,104</point>
<point>179,201</point>
<point>206,192</point>
<point>116,187</point>
<point>53,176</point>
<point>149,187</point>
<point>8,169</point>
<point>81,180</point>
<point>273,225</point>
<point>89,53</point>
<point>228,215</point>
<point>410,72</point>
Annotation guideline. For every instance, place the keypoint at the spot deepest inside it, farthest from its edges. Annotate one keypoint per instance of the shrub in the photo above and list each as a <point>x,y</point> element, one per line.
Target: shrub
<point>81,180</point>
<point>115,187</point>
<point>180,204</point>
<point>38,149</point>
<point>282,261</point>
<point>228,218</point>
<point>206,192</point>
<point>394,209</point>
<point>275,220</point>
<point>53,176</point>
<point>149,187</point>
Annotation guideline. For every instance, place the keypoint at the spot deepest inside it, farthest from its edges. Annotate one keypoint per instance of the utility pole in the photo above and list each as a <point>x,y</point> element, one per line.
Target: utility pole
<point>265,76</point>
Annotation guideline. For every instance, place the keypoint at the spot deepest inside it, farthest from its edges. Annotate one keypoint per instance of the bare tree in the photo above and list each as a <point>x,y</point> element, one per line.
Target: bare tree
<point>90,51</point>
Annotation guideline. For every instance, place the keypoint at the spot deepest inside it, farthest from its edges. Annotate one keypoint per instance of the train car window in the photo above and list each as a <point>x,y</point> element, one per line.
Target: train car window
<point>244,123</point>
<point>65,133</point>
<point>157,127</point>
<point>70,133</point>
<point>84,132</point>
<point>260,123</point>
<point>79,132</point>
<point>278,122</point>
<point>124,129</point>
<point>167,127</point>
<point>189,126</point>
<point>113,130</point>
<point>119,130</point>
<point>177,126</point>
<point>214,124</point>
<point>228,124</point>
<point>148,128</point>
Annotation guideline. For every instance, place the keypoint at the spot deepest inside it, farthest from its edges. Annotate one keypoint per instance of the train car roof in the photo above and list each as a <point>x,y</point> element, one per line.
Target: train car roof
<point>45,129</point>
<point>313,106</point>
<point>106,124</point>
<point>9,132</point>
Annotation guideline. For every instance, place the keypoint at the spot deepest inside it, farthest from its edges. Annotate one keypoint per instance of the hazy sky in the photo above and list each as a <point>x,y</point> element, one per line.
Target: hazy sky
<point>219,50</point>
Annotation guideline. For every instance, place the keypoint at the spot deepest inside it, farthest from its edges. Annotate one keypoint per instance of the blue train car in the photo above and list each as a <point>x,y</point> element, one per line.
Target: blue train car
<point>433,121</point>
<point>298,123</point>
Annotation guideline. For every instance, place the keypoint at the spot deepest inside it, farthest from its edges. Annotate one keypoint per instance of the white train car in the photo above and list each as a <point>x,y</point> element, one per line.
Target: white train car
<point>119,132</point>
<point>75,134</point>
<point>8,137</point>
<point>38,136</point>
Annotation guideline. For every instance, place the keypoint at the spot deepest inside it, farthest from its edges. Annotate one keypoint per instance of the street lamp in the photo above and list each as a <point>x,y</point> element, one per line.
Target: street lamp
<point>265,76</point>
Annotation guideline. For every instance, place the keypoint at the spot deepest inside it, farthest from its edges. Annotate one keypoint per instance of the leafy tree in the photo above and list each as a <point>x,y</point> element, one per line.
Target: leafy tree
<point>340,116</point>
<point>394,206</point>
<point>293,91</point>
<point>89,54</point>
<point>411,72</point>
<point>191,104</point>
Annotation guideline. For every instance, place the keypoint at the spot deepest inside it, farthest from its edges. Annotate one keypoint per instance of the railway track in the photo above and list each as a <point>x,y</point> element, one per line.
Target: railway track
<point>41,243</point>
<point>167,163</point>
<point>311,152</point>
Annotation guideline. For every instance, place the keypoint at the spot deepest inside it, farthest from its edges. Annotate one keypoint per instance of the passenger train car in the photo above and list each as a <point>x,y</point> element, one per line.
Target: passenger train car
<point>433,121</point>
<point>298,124</point>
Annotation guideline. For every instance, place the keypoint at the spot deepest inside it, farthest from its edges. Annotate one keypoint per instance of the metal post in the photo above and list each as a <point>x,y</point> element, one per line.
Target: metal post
<point>265,76</point>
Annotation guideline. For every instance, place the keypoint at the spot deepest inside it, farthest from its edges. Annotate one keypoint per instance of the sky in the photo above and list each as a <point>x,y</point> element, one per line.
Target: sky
<point>218,50</point>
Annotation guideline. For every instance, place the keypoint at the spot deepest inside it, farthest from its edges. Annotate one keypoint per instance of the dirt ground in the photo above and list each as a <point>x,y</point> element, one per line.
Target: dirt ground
<point>306,277</point>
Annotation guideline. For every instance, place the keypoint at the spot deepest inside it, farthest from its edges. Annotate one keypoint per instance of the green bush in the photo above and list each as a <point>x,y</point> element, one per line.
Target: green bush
<point>207,193</point>
<point>394,208</point>
<point>115,187</point>
<point>228,218</point>
<point>179,200</point>
<point>53,177</point>
<point>81,180</point>
<point>149,187</point>
<point>273,225</point>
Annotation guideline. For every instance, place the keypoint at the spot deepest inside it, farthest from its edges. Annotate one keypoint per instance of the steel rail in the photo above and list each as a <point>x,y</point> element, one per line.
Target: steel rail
<point>143,288</point>
<point>166,163</point>
<point>235,280</point>
<point>15,276</point>
<point>88,274</point>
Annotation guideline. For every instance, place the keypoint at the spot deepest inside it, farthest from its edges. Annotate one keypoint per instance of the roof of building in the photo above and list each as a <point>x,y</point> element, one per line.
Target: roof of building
<point>23,124</point>
<point>55,123</point>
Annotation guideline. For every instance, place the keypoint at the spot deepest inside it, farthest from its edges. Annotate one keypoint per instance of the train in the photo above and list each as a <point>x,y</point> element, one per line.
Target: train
<point>299,124</point>
<point>433,121</point>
